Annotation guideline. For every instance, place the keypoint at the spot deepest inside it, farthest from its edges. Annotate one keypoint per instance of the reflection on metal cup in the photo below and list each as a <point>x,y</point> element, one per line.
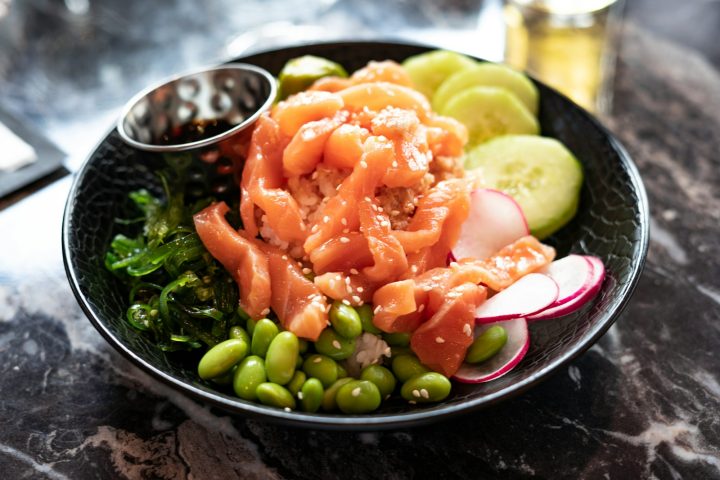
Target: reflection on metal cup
<point>569,44</point>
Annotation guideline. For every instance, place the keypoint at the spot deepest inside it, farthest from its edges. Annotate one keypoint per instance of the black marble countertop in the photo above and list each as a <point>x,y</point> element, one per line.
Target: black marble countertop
<point>644,402</point>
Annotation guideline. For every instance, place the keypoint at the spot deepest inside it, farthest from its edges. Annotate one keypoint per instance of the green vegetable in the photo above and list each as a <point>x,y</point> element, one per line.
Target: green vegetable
<point>341,372</point>
<point>334,346</point>
<point>426,387</point>
<point>264,332</point>
<point>321,367</point>
<point>221,358</point>
<point>275,395</point>
<point>328,401</point>
<point>383,379</point>
<point>397,339</point>
<point>429,70</point>
<point>239,332</point>
<point>248,376</point>
<point>311,395</point>
<point>299,73</point>
<point>358,396</point>
<point>487,345</point>
<point>345,320</point>
<point>365,312</point>
<point>281,357</point>
<point>540,173</point>
<point>407,366</point>
<point>296,382</point>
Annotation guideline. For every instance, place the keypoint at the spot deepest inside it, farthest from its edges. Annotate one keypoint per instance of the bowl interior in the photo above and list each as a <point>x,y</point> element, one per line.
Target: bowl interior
<point>612,223</point>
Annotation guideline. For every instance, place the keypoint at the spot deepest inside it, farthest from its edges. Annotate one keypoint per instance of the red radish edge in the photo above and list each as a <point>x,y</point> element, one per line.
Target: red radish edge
<point>494,221</point>
<point>597,275</point>
<point>517,345</point>
<point>573,274</point>
<point>530,294</point>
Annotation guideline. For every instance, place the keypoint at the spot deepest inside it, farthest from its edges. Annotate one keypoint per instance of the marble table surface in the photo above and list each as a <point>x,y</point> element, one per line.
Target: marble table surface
<point>644,402</point>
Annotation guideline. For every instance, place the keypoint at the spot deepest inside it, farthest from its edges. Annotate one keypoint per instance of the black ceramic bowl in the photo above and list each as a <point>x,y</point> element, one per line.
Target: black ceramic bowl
<point>612,223</point>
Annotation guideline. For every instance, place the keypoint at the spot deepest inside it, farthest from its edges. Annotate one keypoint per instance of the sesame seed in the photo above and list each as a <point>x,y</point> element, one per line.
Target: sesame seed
<point>315,175</point>
<point>414,269</point>
<point>300,395</point>
<point>363,164</point>
<point>424,393</point>
<point>326,219</point>
<point>421,308</point>
<point>344,240</point>
<point>343,221</point>
<point>412,402</point>
<point>346,302</point>
<point>265,312</point>
<point>354,271</point>
<point>384,223</point>
<point>394,164</point>
<point>314,228</point>
<point>368,199</point>
<point>387,352</point>
<point>454,265</point>
<point>346,230</point>
<point>336,344</point>
<point>416,393</point>
<point>395,213</point>
<point>427,288</point>
<point>287,409</point>
<point>306,270</point>
<point>355,392</point>
<point>347,280</point>
<point>356,299</point>
<point>348,289</point>
<point>377,309</point>
<point>380,209</point>
<point>439,340</point>
<point>360,289</point>
<point>468,330</point>
<point>317,360</point>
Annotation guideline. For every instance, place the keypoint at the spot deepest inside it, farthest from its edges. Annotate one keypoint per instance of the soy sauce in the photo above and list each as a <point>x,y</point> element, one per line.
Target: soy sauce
<point>194,131</point>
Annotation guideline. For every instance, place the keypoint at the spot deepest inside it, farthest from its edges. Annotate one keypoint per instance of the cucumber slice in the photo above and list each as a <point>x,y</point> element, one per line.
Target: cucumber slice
<point>301,72</point>
<point>488,75</point>
<point>489,112</point>
<point>538,172</point>
<point>429,70</point>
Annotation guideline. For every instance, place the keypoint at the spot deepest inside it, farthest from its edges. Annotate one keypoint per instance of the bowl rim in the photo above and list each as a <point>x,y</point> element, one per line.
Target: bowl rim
<point>388,420</point>
<point>205,142</point>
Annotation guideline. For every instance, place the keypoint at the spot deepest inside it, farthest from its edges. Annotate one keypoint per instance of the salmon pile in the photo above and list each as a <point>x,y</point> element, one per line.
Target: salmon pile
<point>353,191</point>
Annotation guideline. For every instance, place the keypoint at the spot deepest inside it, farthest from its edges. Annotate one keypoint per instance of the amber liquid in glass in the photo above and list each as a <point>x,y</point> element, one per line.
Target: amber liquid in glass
<point>568,44</point>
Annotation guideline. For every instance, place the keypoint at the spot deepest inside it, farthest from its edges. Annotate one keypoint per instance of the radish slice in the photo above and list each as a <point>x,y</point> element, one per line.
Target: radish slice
<point>587,293</point>
<point>573,274</point>
<point>514,350</point>
<point>532,293</point>
<point>495,220</point>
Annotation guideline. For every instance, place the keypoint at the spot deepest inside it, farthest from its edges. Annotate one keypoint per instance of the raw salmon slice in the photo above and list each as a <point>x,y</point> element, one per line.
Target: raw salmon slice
<point>378,95</point>
<point>344,147</point>
<point>385,71</point>
<point>441,342</point>
<point>388,255</point>
<point>306,148</point>
<point>262,186</point>
<point>341,254</point>
<point>331,84</point>
<point>297,302</point>
<point>305,107</point>
<point>352,288</point>
<point>245,262</point>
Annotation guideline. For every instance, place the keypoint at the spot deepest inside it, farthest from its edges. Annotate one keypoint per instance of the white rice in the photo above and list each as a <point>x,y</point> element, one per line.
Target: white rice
<point>369,350</point>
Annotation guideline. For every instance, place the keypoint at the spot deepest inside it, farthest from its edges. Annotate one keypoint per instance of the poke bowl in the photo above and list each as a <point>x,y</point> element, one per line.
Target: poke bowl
<point>611,225</point>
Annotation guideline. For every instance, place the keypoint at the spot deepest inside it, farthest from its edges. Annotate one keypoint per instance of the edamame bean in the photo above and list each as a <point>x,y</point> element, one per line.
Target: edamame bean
<point>238,332</point>
<point>334,346</point>
<point>226,378</point>
<point>397,351</point>
<point>274,395</point>
<point>383,379</point>
<point>281,357</point>
<point>299,362</point>
<point>328,401</point>
<point>250,326</point>
<point>221,358</point>
<point>487,345</point>
<point>296,382</point>
<point>397,339</point>
<point>426,387</point>
<point>406,366</point>
<point>248,376</point>
<point>311,395</point>
<point>303,345</point>
<point>345,320</point>
<point>365,312</point>
<point>358,396</point>
<point>341,372</point>
<point>321,367</point>
<point>263,333</point>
